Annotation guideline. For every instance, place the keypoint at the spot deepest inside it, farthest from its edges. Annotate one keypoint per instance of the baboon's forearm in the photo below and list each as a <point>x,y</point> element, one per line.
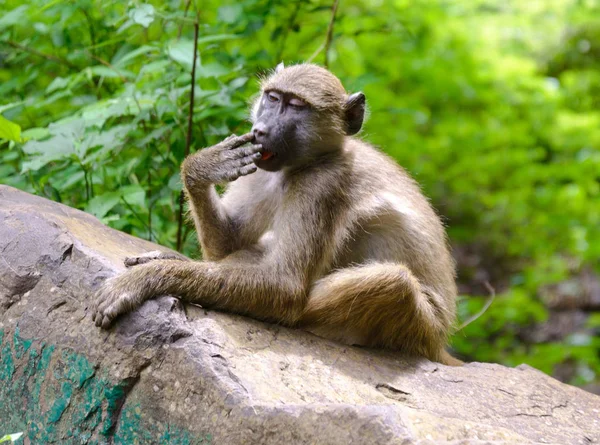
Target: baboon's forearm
<point>256,290</point>
<point>213,225</point>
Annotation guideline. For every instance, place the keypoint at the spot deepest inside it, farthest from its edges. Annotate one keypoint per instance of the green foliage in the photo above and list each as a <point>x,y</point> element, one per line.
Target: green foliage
<point>10,437</point>
<point>492,106</point>
<point>9,130</point>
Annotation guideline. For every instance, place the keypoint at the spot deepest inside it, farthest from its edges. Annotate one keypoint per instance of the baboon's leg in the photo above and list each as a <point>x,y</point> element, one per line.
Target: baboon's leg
<point>380,305</point>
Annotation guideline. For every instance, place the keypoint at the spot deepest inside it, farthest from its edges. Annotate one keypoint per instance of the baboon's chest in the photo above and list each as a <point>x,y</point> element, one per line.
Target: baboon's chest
<point>258,204</point>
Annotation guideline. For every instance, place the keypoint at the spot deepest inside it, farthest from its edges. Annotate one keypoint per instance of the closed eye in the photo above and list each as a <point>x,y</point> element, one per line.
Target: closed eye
<point>297,103</point>
<point>272,97</point>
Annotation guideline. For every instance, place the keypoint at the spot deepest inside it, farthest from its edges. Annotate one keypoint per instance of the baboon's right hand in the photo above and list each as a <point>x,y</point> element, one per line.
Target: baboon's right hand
<point>224,162</point>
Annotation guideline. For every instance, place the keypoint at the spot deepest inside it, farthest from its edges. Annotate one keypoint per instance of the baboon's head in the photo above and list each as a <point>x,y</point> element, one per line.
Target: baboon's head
<point>303,112</point>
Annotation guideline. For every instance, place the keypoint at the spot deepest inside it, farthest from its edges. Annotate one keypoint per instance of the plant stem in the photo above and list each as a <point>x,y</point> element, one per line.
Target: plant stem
<point>187,7</point>
<point>334,8</point>
<point>188,140</point>
<point>326,45</point>
<point>87,184</point>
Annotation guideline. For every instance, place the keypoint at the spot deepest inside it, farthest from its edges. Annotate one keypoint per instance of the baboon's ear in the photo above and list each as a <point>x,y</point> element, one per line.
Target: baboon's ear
<point>354,110</point>
<point>279,67</point>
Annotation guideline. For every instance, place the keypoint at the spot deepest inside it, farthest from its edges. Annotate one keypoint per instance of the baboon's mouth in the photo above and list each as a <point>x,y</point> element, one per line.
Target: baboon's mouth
<point>266,155</point>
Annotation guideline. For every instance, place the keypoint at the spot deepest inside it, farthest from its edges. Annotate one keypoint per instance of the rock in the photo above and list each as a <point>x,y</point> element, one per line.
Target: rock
<point>183,375</point>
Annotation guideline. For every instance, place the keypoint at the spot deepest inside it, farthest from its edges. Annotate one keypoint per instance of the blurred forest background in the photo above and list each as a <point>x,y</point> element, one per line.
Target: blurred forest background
<point>493,106</point>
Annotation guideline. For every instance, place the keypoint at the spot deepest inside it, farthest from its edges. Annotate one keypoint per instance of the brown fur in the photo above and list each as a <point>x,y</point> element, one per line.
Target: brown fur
<point>346,246</point>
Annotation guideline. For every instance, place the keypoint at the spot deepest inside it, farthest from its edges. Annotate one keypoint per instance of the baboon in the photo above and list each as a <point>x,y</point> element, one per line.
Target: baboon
<point>317,229</point>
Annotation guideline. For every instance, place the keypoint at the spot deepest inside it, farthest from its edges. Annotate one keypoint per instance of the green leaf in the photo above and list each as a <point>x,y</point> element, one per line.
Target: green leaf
<point>6,107</point>
<point>9,130</point>
<point>230,14</point>
<point>155,67</point>
<point>35,133</point>
<point>13,17</point>
<point>66,142</point>
<point>111,73</point>
<point>109,140</point>
<point>175,182</point>
<point>182,52</point>
<point>58,83</point>
<point>130,56</point>
<point>134,195</point>
<point>100,112</point>
<point>11,437</point>
<point>217,38</point>
<point>42,153</point>
<point>238,82</point>
<point>212,70</point>
<point>100,205</point>
<point>142,15</point>
<point>154,134</point>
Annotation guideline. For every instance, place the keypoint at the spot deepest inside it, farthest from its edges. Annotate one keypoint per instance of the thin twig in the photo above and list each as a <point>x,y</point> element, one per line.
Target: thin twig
<point>92,184</point>
<point>187,7</point>
<point>188,140</point>
<point>326,45</point>
<point>485,307</point>
<point>149,177</point>
<point>330,32</point>
<point>87,184</point>
<point>140,219</point>
<point>35,52</point>
<point>149,192</point>
<point>316,53</point>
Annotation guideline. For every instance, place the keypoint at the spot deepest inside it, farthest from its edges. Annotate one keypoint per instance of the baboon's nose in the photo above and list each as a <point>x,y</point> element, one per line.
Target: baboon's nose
<point>260,130</point>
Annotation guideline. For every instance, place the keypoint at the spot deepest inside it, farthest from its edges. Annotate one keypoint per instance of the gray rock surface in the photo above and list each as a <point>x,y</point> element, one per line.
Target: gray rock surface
<point>184,375</point>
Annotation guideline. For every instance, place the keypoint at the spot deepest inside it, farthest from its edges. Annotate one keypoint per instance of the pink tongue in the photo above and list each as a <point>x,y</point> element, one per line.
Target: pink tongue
<point>266,155</point>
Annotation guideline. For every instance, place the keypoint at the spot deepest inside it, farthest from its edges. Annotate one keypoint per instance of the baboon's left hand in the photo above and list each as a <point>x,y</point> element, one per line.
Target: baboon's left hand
<point>117,296</point>
<point>224,162</point>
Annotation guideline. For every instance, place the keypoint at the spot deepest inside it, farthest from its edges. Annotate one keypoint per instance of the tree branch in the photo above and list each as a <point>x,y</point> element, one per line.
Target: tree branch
<point>188,140</point>
<point>326,45</point>
<point>334,8</point>
<point>187,7</point>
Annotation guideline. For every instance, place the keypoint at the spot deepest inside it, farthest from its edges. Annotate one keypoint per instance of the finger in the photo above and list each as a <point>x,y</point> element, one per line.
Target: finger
<point>238,140</point>
<point>235,164</point>
<point>106,322</point>
<point>241,152</point>
<point>101,309</point>
<point>247,169</point>
<point>231,176</point>
<point>131,261</point>
<point>246,151</point>
<point>250,159</point>
<point>144,258</point>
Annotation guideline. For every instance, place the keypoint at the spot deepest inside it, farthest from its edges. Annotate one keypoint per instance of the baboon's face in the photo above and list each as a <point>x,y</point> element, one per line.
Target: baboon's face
<point>285,128</point>
<point>303,113</point>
